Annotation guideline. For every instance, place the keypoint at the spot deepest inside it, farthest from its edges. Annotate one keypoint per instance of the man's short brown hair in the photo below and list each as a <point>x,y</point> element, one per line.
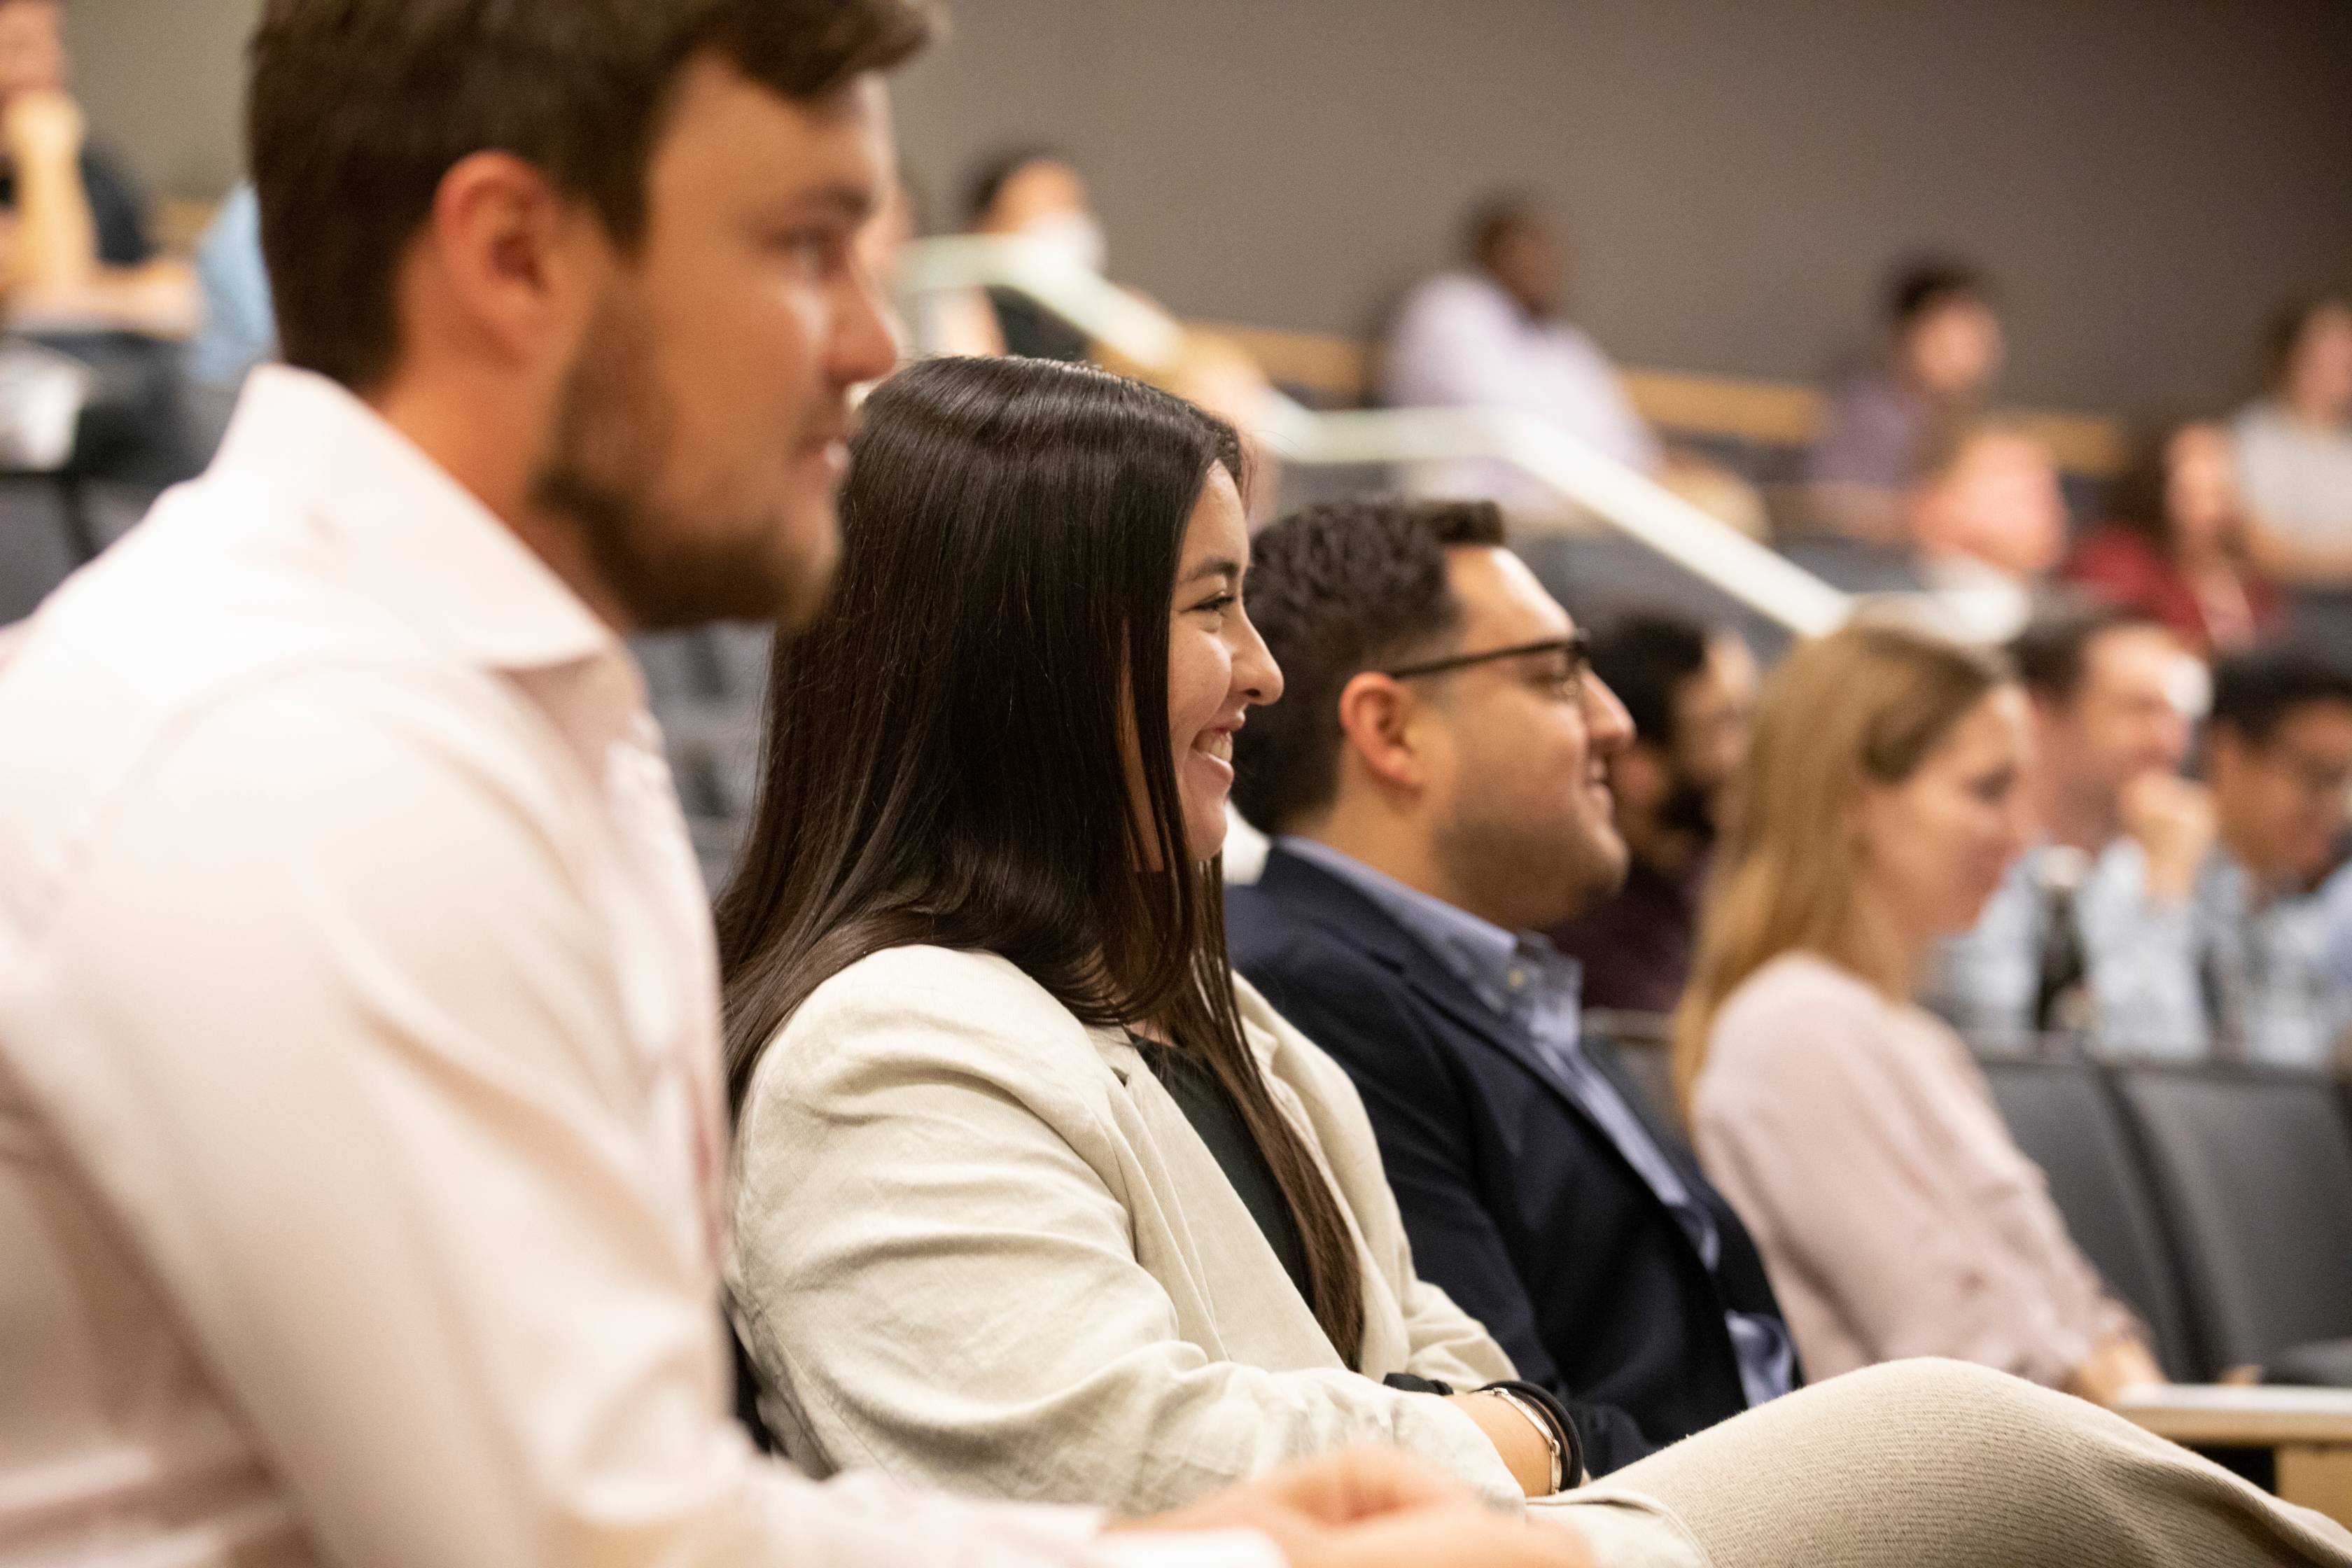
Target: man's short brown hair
<point>356,109</point>
<point>1334,590</point>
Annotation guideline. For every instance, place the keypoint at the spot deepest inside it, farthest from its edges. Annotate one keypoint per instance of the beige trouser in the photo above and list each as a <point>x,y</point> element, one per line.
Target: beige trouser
<point>1938,1464</point>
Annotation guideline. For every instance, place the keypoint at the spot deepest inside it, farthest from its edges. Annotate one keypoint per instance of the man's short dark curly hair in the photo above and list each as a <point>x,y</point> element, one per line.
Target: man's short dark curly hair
<point>1336,590</point>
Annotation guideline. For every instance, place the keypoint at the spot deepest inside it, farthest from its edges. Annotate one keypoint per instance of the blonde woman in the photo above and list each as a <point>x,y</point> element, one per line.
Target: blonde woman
<point>1848,1125</point>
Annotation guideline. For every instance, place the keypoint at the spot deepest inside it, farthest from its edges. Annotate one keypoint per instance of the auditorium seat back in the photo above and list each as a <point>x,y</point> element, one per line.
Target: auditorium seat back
<point>2066,1121</point>
<point>2255,1170</point>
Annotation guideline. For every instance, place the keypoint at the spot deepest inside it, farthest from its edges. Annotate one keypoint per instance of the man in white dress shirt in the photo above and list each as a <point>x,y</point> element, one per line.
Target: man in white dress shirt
<point>362,1135</point>
<point>1496,334</point>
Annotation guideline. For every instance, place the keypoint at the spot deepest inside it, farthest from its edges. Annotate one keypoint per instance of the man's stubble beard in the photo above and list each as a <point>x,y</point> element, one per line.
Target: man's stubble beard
<point>612,443</point>
<point>1540,878</point>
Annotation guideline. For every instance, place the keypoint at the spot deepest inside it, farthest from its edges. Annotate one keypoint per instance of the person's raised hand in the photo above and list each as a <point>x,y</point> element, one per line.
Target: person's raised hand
<point>42,127</point>
<point>2114,1366</point>
<point>2172,818</point>
<point>1375,1508</point>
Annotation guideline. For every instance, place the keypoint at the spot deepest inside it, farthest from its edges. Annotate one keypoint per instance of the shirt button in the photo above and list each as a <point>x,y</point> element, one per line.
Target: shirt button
<point>1518,978</point>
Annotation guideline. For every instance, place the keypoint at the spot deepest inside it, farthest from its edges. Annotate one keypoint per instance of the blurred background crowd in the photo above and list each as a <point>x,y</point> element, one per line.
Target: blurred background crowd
<point>2097,402</point>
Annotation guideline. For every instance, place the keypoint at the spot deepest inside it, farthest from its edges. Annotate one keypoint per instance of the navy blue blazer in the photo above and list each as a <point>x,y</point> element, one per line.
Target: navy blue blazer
<point>1517,1205</point>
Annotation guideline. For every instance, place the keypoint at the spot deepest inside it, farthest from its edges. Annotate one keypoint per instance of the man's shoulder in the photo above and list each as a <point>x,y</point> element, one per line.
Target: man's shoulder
<point>195,608</point>
<point>143,665</point>
<point>1276,925</point>
<point>1451,296</point>
<point>1324,975</point>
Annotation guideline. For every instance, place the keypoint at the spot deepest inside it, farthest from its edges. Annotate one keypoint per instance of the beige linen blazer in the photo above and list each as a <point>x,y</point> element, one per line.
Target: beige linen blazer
<point>977,1243</point>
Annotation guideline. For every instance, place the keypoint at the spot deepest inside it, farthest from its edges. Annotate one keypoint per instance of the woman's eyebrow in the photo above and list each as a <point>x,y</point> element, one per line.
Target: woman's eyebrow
<point>1222,566</point>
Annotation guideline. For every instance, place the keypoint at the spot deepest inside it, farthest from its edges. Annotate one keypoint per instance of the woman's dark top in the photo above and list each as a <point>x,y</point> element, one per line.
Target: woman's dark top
<point>1194,1087</point>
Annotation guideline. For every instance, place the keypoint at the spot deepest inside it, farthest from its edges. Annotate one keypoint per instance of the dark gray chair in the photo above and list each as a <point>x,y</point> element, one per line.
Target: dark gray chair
<point>2065,1120</point>
<point>2254,1171</point>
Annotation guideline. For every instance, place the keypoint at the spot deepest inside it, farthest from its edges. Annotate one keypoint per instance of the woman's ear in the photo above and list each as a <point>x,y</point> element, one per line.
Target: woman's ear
<point>1376,713</point>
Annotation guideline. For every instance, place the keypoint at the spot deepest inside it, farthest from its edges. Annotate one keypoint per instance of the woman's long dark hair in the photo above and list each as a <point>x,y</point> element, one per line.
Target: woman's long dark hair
<point>946,751</point>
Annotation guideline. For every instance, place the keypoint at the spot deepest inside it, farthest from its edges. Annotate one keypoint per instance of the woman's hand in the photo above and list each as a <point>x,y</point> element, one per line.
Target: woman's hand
<point>1375,1508</point>
<point>2114,1366</point>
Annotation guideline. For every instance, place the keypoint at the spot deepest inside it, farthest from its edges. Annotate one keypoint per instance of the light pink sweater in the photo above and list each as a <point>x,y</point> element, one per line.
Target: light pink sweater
<point>1860,1143</point>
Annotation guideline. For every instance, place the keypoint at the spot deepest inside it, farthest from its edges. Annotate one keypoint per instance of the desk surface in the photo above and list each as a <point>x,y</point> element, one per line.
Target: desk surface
<point>2247,1417</point>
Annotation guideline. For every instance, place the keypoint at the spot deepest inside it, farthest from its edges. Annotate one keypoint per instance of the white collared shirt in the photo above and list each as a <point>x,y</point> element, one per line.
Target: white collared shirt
<point>1461,342</point>
<point>361,1130</point>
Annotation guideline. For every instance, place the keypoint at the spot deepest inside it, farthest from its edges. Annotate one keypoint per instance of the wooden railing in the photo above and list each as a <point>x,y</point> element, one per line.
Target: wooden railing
<point>1342,370</point>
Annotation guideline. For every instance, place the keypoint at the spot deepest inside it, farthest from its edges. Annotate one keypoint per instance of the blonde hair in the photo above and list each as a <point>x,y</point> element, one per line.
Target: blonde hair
<point>1865,705</point>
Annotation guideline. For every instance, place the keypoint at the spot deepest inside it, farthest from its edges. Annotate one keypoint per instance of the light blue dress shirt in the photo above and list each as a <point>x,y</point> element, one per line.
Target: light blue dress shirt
<point>2146,999</point>
<point>1535,990</point>
<point>2278,971</point>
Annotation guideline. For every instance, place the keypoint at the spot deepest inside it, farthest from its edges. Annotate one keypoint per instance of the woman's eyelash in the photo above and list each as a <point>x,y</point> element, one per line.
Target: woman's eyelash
<point>1222,602</point>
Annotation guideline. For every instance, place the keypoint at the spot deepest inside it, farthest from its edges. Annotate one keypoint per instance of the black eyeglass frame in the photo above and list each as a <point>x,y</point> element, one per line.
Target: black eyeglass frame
<point>1576,645</point>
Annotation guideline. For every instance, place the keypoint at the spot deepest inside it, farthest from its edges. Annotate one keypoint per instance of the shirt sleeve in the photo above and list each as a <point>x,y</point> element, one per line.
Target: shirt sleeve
<point>337,1040</point>
<point>1982,980</point>
<point>2145,991</point>
<point>937,1281</point>
<point>1816,1120</point>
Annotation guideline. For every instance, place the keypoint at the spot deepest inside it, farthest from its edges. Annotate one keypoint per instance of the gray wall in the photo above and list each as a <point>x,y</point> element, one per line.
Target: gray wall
<point>2146,177</point>
<point>164,82</point>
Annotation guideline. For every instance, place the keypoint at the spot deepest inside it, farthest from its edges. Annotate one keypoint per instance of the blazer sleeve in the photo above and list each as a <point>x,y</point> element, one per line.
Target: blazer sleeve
<point>1809,1120</point>
<point>1421,1127</point>
<point>935,1268</point>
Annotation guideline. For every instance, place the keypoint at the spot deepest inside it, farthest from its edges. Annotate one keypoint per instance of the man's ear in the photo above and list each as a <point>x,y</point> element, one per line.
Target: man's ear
<point>511,257</point>
<point>1376,714</point>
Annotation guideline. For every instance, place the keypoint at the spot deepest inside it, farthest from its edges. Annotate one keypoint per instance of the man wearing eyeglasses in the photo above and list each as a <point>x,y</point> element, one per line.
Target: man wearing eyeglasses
<point>2278,754</point>
<point>1434,778</point>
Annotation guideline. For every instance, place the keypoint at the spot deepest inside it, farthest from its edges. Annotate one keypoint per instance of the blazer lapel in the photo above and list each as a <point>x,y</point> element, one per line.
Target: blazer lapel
<point>1367,926</point>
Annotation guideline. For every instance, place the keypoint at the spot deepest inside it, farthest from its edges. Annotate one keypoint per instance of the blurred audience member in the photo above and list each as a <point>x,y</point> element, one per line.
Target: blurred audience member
<point>74,248</point>
<point>1989,522</point>
<point>240,324</point>
<point>2173,547</point>
<point>1943,349</point>
<point>2278,750</point>
<point>1882,802</point>
<point>1691,695</point>
<point>2294,446</point>
<point>1435,779</point>
<point>2092,928</point>
<point>1497,333</point>
<point>1038,194</point>
<point>241,328</point>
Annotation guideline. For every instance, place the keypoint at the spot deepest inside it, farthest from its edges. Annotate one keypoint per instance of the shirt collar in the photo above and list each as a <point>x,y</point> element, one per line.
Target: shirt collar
<point>417,536</point>
<point>1505,969</point>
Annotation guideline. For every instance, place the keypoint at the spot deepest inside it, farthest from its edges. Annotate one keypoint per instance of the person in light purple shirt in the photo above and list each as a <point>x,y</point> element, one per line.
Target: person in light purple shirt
<point>1942,352</point>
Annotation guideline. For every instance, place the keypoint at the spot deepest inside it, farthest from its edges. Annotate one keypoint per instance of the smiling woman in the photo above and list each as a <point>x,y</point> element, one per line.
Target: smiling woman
<point>1010,527</point>
<point>970,882</point>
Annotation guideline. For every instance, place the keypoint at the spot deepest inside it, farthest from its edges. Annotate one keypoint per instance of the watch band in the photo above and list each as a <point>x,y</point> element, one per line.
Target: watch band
<point>1541,1421</point>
